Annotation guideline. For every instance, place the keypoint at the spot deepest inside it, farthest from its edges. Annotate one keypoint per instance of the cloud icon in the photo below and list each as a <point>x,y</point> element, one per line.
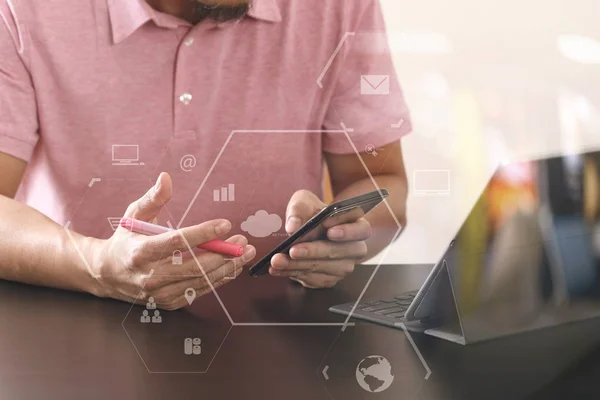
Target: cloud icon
<point>262,224</point>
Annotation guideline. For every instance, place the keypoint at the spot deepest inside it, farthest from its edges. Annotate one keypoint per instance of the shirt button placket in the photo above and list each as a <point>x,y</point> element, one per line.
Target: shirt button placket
<point>183,123</point>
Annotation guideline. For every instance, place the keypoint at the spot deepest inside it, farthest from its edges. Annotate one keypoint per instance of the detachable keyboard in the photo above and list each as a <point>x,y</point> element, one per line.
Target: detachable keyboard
<point>387,312</point>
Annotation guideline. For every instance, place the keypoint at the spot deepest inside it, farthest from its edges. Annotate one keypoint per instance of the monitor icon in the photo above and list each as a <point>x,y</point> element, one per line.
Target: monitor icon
<point>431,182</point>
<point>126,154</point>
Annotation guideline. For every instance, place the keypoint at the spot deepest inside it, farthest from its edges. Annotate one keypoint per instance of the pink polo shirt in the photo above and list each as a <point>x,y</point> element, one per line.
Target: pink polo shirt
<point>100,96</point>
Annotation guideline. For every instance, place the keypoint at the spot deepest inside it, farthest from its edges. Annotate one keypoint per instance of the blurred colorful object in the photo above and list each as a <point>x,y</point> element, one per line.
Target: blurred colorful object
<point>512,189</point>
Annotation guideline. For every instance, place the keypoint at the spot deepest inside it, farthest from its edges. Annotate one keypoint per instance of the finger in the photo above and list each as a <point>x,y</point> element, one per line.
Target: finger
<point>301,207</point>
<point>232,265</point>
<point>317,281</point>
<point>345,217</point>
<point>225,273</point>
<point>192,265</point>
<point>214,269</point>
<point>207,263</point>
<point>323,249</point>
<point>187,238</point>
<point>178,300</point>
<point>148,206</point>
<point>357,231</point>
<point>282,265</point>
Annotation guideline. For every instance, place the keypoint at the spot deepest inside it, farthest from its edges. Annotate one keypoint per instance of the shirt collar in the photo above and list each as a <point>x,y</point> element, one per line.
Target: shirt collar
<point>266,10</point>
<point>127,16</point>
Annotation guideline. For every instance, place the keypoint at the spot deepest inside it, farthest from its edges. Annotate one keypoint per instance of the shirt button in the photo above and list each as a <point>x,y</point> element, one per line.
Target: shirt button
<point>185,98</point>
<point>189,42</point>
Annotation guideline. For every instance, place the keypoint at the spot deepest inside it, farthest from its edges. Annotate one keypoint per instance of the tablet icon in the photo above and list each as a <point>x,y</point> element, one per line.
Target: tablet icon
<point>233,276</point>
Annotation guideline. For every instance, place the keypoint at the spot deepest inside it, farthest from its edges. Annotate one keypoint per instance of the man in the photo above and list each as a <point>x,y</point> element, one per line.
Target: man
<point>99,97</point>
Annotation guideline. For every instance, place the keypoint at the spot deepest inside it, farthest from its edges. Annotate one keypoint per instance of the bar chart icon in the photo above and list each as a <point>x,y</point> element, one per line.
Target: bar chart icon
<point>226,193</point>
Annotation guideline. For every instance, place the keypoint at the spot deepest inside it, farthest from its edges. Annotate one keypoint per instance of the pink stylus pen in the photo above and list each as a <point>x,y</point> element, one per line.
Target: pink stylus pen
<point>214,246</point>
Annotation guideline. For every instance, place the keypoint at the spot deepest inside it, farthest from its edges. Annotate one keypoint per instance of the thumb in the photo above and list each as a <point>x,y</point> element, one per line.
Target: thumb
<point>148,206</point>
<point>302,206</point>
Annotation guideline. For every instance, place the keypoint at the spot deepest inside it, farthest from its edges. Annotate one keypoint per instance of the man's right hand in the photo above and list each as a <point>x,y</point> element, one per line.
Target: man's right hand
<point>124,264</point>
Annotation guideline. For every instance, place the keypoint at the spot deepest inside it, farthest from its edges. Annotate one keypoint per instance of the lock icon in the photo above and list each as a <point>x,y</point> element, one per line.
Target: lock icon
<point>177,258</point>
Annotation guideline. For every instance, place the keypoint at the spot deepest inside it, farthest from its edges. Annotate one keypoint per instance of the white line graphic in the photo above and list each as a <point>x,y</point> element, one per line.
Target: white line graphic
<point>333,56</point>
<point>415,348</point>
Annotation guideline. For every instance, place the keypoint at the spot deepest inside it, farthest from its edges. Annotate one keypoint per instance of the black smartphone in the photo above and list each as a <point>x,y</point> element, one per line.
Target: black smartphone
<point>341,212</point>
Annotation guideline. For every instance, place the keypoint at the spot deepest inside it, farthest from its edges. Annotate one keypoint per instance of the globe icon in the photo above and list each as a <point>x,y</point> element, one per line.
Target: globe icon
<point>374,374</point>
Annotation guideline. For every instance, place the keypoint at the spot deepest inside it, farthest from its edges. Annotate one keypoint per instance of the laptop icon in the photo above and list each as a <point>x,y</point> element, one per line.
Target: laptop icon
<point>126,154</point>
<point>525,258</point>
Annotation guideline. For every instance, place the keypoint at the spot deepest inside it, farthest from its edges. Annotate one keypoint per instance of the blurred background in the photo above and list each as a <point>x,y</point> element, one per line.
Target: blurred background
<point>487,82</point>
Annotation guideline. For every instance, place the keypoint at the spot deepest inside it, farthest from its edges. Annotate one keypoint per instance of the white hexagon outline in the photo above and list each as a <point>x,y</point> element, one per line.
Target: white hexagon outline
<point>346,131</point>
<point>333,56</point>
<point>67,225</point>
<point>322,372</point>
<point>67,229</point>
<point>176,372</point>
<point>346,323</point>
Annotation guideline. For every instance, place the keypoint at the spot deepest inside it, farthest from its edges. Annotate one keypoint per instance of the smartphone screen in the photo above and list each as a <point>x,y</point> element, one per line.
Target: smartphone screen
<point>342,212</point>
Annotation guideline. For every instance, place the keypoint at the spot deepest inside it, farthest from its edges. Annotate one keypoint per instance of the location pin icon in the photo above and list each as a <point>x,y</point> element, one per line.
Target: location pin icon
<point>190,295</point>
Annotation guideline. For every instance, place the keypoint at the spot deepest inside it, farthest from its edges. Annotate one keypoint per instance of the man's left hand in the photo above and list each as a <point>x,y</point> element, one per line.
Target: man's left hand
<point>321,263</point>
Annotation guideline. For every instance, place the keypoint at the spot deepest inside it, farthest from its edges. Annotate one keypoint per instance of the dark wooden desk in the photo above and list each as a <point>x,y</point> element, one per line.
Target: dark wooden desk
<point>60,345</point>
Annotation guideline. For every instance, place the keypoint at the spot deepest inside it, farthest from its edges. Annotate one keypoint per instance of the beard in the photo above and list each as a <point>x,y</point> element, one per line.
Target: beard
<point>222,11</point>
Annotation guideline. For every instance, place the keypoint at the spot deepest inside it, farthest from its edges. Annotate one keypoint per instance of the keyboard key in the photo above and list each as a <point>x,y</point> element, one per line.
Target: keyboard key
<point>380,307</point>
<point>362,306</point>
<point>390,310</point>
<point>390,300</point>
<point>396,315</point>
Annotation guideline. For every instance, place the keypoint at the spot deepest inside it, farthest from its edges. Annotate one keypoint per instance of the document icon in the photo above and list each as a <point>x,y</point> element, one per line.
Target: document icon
<point>374,84</point>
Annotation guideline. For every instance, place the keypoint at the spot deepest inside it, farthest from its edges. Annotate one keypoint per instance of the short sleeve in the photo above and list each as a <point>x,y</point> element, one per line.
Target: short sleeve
<point>18,110</point>
<point>367,98</point>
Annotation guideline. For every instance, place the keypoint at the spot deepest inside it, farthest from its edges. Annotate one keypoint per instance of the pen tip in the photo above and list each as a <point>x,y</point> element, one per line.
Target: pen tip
<point>126,223</point>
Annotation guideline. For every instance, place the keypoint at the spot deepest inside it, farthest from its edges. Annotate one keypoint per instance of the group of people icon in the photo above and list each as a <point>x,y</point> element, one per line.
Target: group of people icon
<point>156,318</point>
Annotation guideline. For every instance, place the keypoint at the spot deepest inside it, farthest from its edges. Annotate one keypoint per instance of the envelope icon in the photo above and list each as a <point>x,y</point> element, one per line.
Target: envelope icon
<point>375,84</point>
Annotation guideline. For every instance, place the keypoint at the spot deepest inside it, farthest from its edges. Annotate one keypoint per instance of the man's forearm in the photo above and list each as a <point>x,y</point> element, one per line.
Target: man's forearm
<point>36,250</point>
<point>383,224</point>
